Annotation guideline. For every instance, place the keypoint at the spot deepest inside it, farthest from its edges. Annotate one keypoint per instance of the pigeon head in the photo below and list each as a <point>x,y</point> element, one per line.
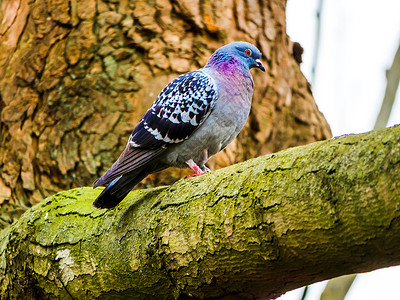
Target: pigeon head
<point>240,54</point>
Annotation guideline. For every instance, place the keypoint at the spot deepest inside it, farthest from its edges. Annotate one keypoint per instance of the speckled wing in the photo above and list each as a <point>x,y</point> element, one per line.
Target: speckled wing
<point>182,106</point>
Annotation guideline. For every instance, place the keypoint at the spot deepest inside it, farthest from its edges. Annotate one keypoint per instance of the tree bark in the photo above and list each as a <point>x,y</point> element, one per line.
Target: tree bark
<point>76,76</point>
<point>250,231</point>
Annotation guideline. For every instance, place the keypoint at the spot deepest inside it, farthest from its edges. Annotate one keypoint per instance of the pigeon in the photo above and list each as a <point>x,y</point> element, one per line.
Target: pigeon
<point>194,117</point>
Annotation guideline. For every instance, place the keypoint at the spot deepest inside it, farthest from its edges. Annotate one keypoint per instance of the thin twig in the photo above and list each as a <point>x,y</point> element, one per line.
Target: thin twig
<point>317,41</point>
<point>393,78</point>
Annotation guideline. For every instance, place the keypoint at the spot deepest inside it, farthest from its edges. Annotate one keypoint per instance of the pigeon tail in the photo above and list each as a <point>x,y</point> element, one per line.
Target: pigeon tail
<point>117,189</point>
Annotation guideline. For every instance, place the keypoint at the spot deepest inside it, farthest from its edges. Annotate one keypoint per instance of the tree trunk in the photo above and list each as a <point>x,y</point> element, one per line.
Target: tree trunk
<point>253,230</point>
<point>76,76</point>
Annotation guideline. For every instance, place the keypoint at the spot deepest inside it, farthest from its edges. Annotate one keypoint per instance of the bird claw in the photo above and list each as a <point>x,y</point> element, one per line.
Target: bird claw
<point>196,174</point>
<point>197,170</point>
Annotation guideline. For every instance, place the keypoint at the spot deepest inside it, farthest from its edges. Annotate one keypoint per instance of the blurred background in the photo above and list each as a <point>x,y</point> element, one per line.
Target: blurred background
<point>356,45</point>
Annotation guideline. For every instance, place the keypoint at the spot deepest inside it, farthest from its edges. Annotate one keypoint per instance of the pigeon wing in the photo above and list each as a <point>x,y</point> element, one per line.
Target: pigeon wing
<point>181,108</point>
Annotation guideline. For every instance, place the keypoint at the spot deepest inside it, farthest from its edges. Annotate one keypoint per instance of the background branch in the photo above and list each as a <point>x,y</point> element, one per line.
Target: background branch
<point>393,78</point>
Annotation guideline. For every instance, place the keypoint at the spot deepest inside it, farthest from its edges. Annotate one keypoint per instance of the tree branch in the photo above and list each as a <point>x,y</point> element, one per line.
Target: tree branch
<point>393,79</point>
<point>255,229</point>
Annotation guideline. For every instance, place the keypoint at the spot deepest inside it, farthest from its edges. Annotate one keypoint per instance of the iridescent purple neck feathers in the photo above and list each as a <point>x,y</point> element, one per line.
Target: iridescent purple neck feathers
<point>226,62</point>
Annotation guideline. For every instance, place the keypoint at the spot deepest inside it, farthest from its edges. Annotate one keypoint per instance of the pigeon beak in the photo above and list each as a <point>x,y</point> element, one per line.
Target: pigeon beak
<point>259,65</point>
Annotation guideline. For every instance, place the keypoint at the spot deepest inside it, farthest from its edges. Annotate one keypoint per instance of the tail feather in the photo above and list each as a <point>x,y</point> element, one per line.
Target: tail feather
<point>117,189</point>
<point>130,160</point>
<point>132,166</point>
<point>101,200</point>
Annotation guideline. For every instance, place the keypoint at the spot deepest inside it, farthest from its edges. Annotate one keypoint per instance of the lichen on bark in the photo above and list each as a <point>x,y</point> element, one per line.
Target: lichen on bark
<point>249,231</point>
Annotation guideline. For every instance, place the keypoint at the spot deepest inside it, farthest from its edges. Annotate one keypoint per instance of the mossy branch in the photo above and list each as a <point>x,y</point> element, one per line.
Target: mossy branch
<point>252,230</point>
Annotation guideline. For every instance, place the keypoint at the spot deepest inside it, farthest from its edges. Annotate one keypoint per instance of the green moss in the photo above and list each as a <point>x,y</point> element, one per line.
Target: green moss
<point>231,230</point>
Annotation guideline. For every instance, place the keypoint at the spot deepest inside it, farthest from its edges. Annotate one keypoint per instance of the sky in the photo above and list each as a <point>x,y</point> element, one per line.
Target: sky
<point>359,39</point>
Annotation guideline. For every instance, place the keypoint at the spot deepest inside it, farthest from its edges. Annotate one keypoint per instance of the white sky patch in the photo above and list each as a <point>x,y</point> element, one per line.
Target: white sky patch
<point>358,41</point>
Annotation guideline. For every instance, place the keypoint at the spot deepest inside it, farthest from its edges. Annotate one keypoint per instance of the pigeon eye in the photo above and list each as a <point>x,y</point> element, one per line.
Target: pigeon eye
<point>248,52</point>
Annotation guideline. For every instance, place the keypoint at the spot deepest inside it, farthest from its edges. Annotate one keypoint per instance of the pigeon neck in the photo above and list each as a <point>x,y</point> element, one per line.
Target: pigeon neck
<point>233,78</point>
<point>225,63</point>
<point>230,68</point>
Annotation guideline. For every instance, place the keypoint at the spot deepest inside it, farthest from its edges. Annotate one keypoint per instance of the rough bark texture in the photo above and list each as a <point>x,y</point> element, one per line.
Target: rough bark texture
<point>252,230</point>
<point>76,76</point>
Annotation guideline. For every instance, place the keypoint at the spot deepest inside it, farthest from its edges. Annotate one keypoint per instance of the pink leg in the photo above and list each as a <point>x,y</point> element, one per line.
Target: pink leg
<point>195,168</point>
